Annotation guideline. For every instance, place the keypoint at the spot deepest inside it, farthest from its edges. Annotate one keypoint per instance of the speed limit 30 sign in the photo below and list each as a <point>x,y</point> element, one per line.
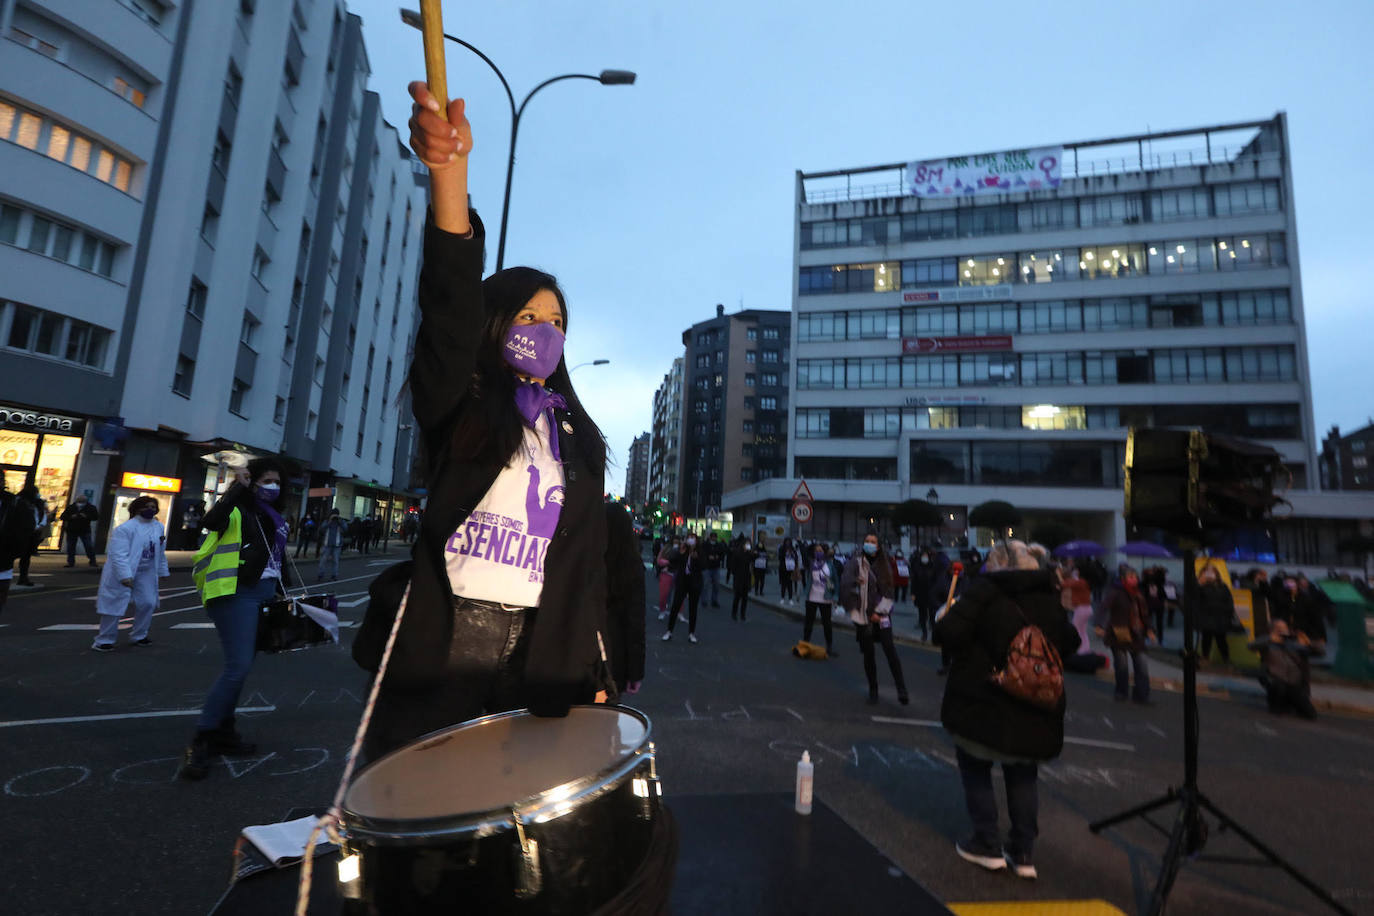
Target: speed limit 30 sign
<point>801,512</point>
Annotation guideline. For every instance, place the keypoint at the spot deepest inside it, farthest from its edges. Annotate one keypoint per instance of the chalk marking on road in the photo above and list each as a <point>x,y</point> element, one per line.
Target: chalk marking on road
<point>205,625</point>
<point>84,774</point>
<point>930,723</point>
<point>161,713</point>
<point>1264,729</point>
<point>1109,722</point>
<point>1156,729</point>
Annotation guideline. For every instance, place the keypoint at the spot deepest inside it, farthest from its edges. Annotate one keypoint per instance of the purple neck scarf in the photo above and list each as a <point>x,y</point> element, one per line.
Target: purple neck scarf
<point>532,399</point>
<point>278,526</point>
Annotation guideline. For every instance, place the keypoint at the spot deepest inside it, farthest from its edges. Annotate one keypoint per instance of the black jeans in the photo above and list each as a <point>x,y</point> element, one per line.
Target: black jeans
<point>688,587</point>
<point>1023,805</point>
<point>785,584</point>
<point>486,662</point>
<point>741,603</point>
<point>87,544</point>
<point>1222,647</point>
<point>759,576</point>
<point>867,635</point>
<point>925,615</point>
<point>812,609</point>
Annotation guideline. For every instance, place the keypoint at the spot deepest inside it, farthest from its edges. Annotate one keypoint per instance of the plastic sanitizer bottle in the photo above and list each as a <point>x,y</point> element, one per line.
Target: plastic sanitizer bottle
<point>804,774</point>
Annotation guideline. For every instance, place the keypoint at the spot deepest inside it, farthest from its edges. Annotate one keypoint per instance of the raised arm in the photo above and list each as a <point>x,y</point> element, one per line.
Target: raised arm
<point>452,313</point>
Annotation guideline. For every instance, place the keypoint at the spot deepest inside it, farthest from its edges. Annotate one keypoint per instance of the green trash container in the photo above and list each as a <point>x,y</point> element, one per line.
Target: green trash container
<point>1354,632</point>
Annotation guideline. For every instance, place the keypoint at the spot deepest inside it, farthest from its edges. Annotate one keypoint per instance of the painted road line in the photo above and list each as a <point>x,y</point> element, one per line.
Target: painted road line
<point>930,723</point>
<point>193,626</point>
<point>123,625</point>
<point>1036,908</point>
<point>162,713</point>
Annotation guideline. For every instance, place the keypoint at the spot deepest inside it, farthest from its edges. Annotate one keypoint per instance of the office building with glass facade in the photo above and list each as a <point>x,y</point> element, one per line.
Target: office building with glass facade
<point>965,344</point>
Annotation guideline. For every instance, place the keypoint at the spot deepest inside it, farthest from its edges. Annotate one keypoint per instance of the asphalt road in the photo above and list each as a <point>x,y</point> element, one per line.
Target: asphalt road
<point>96,823</point>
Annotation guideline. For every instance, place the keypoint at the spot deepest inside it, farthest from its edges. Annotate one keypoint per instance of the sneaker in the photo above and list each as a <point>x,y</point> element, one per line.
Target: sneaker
<point>1021,865</point>
<point>692,638</point>
<point>970,851</point>
<point>103,647</point>
<point>667,636</point>
<point>145,641</point>
<point>662,615</point>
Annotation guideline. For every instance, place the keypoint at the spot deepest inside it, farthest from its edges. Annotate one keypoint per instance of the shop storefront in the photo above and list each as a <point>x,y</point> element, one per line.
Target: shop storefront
<point>41,448</point>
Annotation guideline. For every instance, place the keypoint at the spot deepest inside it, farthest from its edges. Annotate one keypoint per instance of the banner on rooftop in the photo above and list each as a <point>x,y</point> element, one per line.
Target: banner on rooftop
<point>988,173</point>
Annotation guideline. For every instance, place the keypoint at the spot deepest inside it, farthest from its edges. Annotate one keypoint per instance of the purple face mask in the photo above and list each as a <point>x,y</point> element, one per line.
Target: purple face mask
<point>534,349</point>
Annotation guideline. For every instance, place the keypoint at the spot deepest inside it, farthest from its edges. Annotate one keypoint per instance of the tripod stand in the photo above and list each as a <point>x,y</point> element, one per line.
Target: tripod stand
<point>1189,834</point>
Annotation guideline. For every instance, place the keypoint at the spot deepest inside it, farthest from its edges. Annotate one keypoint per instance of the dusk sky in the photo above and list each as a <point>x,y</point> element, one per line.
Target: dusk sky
<point>651,203</point>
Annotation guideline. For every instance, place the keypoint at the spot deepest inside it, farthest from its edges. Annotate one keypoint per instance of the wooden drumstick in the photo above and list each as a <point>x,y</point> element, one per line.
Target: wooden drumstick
<point>432,31</point>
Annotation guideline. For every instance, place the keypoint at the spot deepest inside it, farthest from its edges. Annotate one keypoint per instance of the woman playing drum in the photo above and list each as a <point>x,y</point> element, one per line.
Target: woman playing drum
<point>507,600</point>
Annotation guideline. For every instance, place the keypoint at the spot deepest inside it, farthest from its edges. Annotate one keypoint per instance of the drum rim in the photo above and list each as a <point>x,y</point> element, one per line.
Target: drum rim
<point>548,805</point>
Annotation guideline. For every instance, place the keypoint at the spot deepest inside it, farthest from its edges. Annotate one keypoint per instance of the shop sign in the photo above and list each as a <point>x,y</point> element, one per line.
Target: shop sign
<point>968,400</point>
<point>978,344</point>
<point>135,481</point>
<point>1001,291</point>
<point>18,418</point>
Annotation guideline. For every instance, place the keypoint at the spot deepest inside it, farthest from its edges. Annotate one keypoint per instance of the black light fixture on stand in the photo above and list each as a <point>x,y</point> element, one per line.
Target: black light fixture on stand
<point>1197,486</point>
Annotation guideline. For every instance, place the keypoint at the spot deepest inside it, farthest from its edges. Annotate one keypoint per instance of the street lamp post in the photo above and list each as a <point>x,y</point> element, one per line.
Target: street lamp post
<point>605,78</point>
<point>595,362</point>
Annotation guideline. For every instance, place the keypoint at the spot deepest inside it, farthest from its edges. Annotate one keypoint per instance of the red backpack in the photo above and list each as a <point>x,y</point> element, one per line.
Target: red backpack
<point>1033,672</point>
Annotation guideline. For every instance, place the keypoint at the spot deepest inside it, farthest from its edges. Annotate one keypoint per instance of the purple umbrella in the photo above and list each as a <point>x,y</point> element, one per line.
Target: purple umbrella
<point>1145,549</point>
<point>1079,549</point>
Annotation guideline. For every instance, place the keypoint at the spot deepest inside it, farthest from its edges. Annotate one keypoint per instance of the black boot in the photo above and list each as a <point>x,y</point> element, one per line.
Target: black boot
<point>226,740</point>
<point>195,763</point>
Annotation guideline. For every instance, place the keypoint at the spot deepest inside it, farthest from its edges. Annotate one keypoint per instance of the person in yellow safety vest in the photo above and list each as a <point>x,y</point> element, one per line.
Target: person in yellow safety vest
<point>238,570</point>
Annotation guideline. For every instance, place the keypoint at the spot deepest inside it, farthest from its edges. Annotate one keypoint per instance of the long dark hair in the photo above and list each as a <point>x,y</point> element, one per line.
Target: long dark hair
<point>489,428</point>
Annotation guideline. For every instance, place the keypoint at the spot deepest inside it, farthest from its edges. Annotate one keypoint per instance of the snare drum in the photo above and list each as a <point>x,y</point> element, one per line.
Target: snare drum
<point>510,813</point>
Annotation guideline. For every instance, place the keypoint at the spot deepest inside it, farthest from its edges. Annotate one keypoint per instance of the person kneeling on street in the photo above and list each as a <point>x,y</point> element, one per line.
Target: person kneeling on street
<point>1285,671</point>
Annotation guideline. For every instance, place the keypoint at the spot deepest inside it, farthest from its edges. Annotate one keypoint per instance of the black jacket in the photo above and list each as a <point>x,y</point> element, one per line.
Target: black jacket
<point>562,664</point>
<point>741,561</point>
<point>1215,608</point>
<point>624,598</point>
<point>77,519</point>
<point>977,631</point>
<point>257,531</point>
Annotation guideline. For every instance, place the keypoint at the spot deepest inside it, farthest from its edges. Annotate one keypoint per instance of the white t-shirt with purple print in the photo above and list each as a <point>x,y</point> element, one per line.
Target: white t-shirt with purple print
<point>497,554</point>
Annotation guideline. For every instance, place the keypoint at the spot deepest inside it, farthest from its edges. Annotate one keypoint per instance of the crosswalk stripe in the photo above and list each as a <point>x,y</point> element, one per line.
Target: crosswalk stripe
<point>124,625</point>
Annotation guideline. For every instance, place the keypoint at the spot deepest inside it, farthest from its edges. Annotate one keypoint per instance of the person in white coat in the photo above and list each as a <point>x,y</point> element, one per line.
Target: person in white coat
<point>135,558</point>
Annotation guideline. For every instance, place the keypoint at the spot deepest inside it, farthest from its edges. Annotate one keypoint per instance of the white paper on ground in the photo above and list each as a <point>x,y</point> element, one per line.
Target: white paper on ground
<point>285,842</point>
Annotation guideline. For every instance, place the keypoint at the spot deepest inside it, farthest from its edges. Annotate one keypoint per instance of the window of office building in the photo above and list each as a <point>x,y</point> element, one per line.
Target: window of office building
<point>1050,316</point>
<point>184,376</point>
<point>999,318</point>
<point>1191,364</point>
<point>986,270</point>
<point>935,371</point>
<point>987,369</point>
<point>237,393</point>
<point>1051,368</point>
<point>1260,364</point>
<point>1255,307</point>
<point>936,224</point>
<point>1048,265</point>
<point>1250,252</point>
<point>1053,416</point>
<point>931,321</point>
<point>57,141</point>
<point>930,272</point>
<point>1115,314</point>
<point>1246,197</point>
<point>939,462</point>
<point>999,417</point>
<point>882,423</point>
<point>769,379</point>
<point>1040,215</point>
<point>1109,210</point>
<point>1183,256</point>
<point>1179,204</point>
<point>50,334</point>
<point>821,326</point>
<point>931,418</point>
<point>1125,260</point>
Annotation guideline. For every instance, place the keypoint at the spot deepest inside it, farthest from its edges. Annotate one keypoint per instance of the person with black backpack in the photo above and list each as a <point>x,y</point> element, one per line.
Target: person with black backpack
<point>993,704</point>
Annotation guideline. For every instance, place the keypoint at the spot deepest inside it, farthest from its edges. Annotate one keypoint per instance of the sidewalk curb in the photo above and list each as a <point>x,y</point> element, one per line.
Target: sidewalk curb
<point>1220,689</point>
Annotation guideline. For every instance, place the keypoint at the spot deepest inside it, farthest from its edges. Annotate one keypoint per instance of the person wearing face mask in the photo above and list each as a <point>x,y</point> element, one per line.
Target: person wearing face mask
<point>741,562</point>
<point>822,588</point>
<point>76,526</point>
<point>505,591</point>
<point>238,570</point>
<point>1128,626</point>
<point>135,558</point>
<point>922,581</point>
<point>687,574</point>
<point>866,593</point>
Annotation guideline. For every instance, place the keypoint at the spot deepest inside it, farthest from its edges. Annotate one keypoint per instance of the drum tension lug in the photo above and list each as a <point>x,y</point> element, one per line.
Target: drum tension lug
<point>529,880</point>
